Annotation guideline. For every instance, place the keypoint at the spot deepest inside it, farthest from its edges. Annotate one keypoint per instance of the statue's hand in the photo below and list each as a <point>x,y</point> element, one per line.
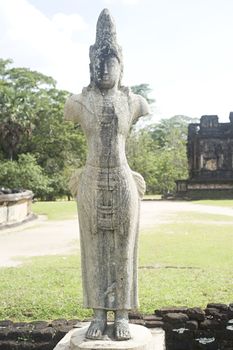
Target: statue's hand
<point>72,109</point>
<point>73,183</point>
<point>140,182</point>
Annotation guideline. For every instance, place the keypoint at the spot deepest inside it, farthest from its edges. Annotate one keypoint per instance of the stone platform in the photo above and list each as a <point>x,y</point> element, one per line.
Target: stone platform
<point>142,339</point>
<point>15,208</point>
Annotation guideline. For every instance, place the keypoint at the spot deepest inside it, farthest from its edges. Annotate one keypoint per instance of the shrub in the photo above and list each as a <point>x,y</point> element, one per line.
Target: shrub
<point>24,173</point>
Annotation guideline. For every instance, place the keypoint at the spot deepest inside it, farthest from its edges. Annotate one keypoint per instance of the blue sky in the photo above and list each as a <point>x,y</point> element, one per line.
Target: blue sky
<point>181,48</point>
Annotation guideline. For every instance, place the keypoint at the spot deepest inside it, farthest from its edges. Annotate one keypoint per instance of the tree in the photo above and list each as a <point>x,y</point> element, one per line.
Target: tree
<point>158,152</point>
<point>31,121</point>
<point>144,90</point>
<point>20,93</point>
<point>141,155</point>
<point>59,145</point>
<point>24,174</point>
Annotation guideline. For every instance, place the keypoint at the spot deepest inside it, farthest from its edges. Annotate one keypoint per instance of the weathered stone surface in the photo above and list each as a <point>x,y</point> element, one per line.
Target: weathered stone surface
<point>152,318</point>
<point>15,208</point>
<point>177,335</point>
<point>135,315</point>
<point>4,333</point>
<point>15,334</point>
<point>39,324</point>
<point>43,335</point>
<point>219,306</point>
<point>6,323</point>
<point>206,344</point>
<point>230,311</point>
<point>9,345</point>
<point>173,309</point>
<point>137,321</point>
<point>154,324</point>
<point>141,339</point>
<point>211,324</point>
<point>179,339</point>
<point>196,313</point>
<point>59,322</point>
<point>175,318</point>
<point>22,325</point>
<point>209,149</point>
<point>227,345</point>
<point>216,314</point>
<point>61,331</point>
<point>192,325</point>
<point>227,334</point>
<point>107,191</point>
<point>74,322</point>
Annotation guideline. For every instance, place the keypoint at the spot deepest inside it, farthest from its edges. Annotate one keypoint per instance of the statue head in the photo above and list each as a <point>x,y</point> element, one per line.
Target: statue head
<point>106,65</point>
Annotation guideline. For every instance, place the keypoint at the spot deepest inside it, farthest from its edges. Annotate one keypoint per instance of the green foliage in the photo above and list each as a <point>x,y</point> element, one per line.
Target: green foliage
<point>24,174</point>
<point>141,155</point>
<point>143,90</point>
<point>158,152</point>
<point>20,93</point>
<point>31,121</point>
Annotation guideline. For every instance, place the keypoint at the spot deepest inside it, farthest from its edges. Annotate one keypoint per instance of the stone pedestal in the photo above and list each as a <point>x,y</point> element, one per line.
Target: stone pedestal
<point>142,339</point>
<point>15,208</point>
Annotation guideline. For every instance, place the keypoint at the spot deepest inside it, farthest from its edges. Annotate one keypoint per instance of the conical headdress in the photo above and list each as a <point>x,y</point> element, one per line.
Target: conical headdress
<point>106,41</point>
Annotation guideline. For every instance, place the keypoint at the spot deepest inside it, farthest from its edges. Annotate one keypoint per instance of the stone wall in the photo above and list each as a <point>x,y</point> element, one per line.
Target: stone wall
<point>38,335</point>
<point>194,328</point>
<point>210,160</point>
<point>206,189</point>
<point>185,328</point>
<point>15,208</point>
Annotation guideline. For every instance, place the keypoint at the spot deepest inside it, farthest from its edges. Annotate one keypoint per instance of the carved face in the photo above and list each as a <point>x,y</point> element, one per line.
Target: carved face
<point>106,72</point>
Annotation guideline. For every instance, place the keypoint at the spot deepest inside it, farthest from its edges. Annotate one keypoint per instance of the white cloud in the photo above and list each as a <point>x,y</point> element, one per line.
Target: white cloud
<point>33,40</point>
<point>69,24</point>
<point>131,2</point>
<point>124,2</point>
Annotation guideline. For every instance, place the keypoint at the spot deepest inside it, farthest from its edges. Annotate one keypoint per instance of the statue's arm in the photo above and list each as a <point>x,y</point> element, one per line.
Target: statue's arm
<point>141,107</point>
<point>72,109</point>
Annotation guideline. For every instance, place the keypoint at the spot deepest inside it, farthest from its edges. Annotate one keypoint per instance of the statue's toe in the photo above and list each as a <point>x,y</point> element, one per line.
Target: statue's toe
<point>96,329</point>
<point>122,331</point>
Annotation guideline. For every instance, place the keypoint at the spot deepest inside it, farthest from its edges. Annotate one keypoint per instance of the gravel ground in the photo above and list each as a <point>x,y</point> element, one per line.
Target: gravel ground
<point>43,237</point>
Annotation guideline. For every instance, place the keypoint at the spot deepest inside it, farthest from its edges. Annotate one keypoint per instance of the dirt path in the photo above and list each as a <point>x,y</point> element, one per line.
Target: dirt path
<point>43,237</point>
<point>40,237</point>
<point>154,212</point>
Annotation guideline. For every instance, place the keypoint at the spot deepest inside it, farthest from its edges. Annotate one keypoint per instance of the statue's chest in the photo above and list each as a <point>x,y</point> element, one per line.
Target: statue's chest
<point>109,116</point>
<point>113,117</point>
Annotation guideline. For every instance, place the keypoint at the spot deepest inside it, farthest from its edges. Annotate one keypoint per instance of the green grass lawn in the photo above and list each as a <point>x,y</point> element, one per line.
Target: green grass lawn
<point>67,210</point>
<point>152,196</point>
<point>60,210</point>
<point>187,261</point>
<point>204,218</point>
<point>216,202</point>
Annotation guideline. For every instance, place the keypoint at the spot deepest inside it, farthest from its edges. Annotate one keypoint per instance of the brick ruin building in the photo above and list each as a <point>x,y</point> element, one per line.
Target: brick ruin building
<point>210,160</point>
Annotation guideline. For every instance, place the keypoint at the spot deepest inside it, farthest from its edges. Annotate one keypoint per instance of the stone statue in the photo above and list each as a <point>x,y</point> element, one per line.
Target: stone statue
<point>108,192</point>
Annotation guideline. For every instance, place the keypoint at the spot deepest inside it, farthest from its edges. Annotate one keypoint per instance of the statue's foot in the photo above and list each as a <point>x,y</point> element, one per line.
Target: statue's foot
<point>122,331</point>
<point>96,329</point>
